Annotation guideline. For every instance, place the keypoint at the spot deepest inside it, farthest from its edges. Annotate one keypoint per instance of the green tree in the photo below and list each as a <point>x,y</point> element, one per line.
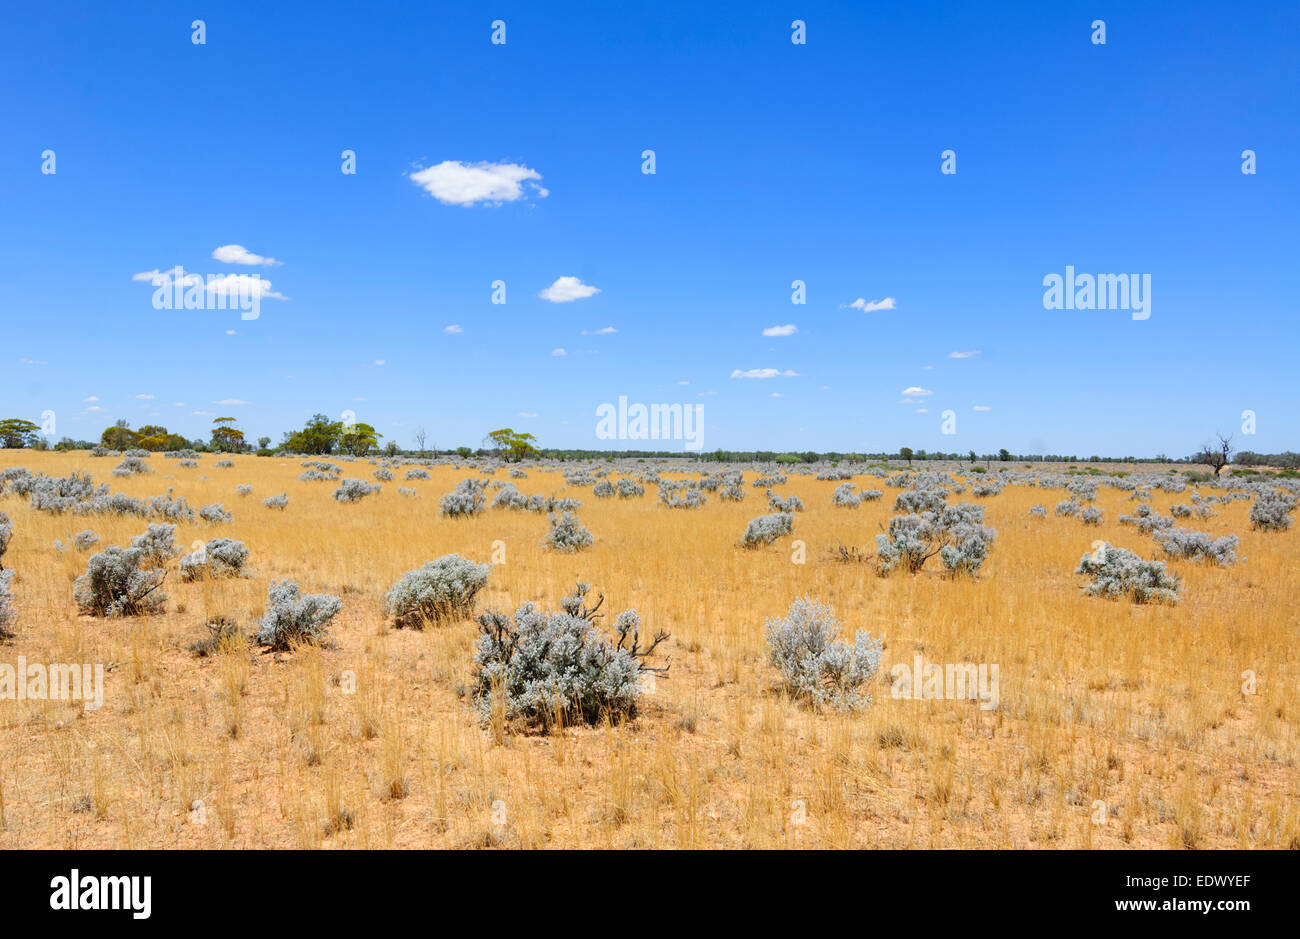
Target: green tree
<point>226,437</point>
<point>119,437</point>
<point>514,445</point>
<point>1004,454</point>
<point>906,454</point>
<point>16,433</point>
<point>320,435</point>
<point>358,439</point>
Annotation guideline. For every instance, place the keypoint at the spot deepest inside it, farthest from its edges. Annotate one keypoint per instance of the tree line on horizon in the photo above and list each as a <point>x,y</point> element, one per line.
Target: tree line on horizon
<point>322,436</point>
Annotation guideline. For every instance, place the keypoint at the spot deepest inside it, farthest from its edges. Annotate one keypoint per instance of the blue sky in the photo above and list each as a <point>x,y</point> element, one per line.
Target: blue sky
<point>776,162</point>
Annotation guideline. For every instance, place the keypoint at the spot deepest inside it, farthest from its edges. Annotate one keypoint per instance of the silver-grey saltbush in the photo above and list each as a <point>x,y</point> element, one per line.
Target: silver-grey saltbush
<point>814,665</point>
<point>439,592</point>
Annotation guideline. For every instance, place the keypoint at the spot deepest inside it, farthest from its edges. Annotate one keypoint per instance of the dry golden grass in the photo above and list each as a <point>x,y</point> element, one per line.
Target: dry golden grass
<point>372,743</point>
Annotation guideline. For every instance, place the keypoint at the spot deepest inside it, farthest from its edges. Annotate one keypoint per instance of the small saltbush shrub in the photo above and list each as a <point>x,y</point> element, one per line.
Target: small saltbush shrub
<point>83,540</point>
<point>215,513</point>
<point>567,534</point>
<point>1198,545</point>
<point>814,665</point>
<point>733,492</point>
<point>845,497</point>
<point>8,617</point>
<point>603,489</point>
<point>765,529</point>
<point>293,618</point>
<point>130,466</point>
<point>510,497</point>
<point>158,545</point>
<point>1038,511</point>
<point>466,500</point>
<point>543,667</point>
<point>277,502</point>
<point>383,474</point>
<point>1091,515</point>
<point>681,498</point>
<point>220,557</point>
<point>405,491</point>
<point>1271,511</point>
<point>244,490</point>
<point>788,504</point>
<point>224,464</point>
<point>117,584</point>
<point>354,490</point>
<point>1117,572</point>
<point>417,473</point>
<point>914,501</point>
<point>1067,508</point>
<point>914,539</point>
<point>439,592</point>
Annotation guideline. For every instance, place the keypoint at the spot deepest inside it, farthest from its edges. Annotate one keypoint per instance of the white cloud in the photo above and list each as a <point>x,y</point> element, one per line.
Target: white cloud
<point>922,410</point>
<point>242,285</point>
<point>231,332</point>
<point>982,407</point>
<point>358,399</point>
<point>238,254</point>
<point>201,413</point>
<point>144,397</point>
<point>32,362</point>
<point>230,401</point>
<point>683,383</point>
<point>963,355</point>
<point>776,394</point>
<point>607,331</point>
<point>380,362</point>
<point>870,306</point>
<point>91,400</point>
<point>527,414</point>
<point>178,404</point>
<point>915,390</point>
<point>927,368</point>
<point>558,352</point>
<point>763,373</point>
<point>566,289</point>
<point>704,394</point>
<point>452,330</point>
<point>787,330</point>
<point>454,183</point>
<point>93,409</point>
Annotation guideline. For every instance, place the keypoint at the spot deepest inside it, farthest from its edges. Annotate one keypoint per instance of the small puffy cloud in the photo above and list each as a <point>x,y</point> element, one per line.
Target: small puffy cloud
<point>238,254</point>
<point>93,409</point>
<point>243,285</point>
<point>870,306</point>
<point>454,183</point>
<point>452,330</point>
<point>201,413</point>
<point>90,400</point>
<point>144,397</point>
<point>231,332</point>
<point>568,289</point>
<point>788,330</point>
<point>683,383</point>
<point>558,352</point>
<point>922,410</point>
<point>916,390</point>
<point>963,355</point>
<point>527,414</point>
<point>379,362</point>
<point>982,407</point>
<point>230,401</point>
<point>358,399</point>
<point>32,362</point>
<point>763,373</point>
<point>607,331</point>
<point>927,368</point>
<point>776,394</point>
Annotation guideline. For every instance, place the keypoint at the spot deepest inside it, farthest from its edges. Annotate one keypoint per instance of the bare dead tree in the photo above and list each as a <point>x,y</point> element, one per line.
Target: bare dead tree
<point>420,436</point>
<point>1216,455</point>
